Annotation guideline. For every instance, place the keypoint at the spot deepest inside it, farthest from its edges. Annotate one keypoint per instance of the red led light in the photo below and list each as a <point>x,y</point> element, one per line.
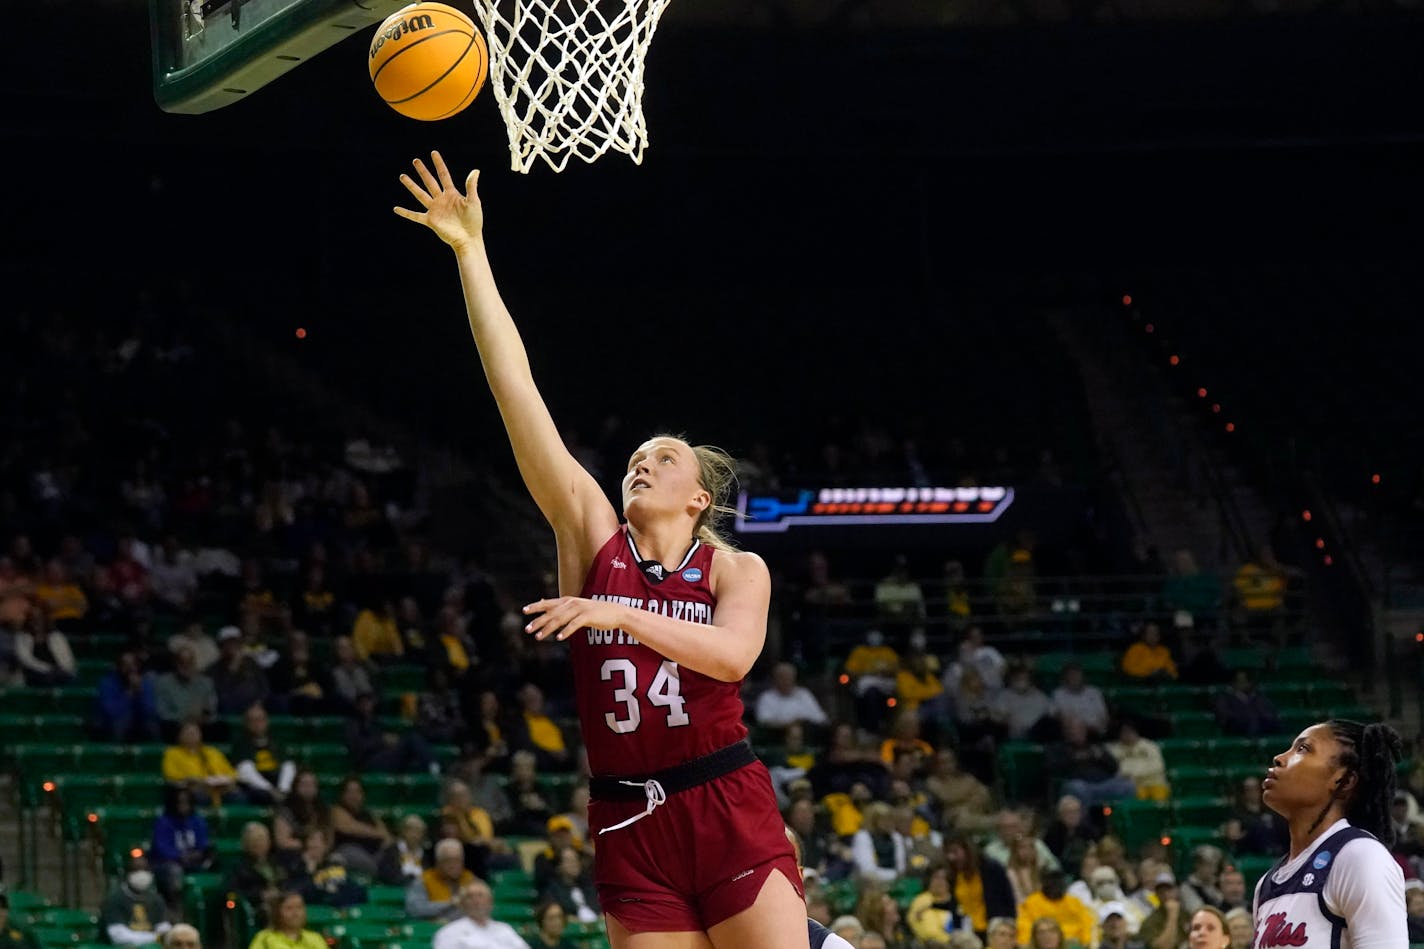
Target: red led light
<point>93,818</point>
<point>1174,359</point>
<point>845,679</point>
<point>1150,328</point>
<point>1216,407</point>
<point>136,852</point>
<point>890,702</point>
<point>1374,479</point>
<point>1305,515</point>
<point>49,786</point>
<point>1166,841</point>
<point>1127,299</point>
<point>1231,426</point>
<point>1201,393</point>
<point>1329,560</point>
<point>301,332</point>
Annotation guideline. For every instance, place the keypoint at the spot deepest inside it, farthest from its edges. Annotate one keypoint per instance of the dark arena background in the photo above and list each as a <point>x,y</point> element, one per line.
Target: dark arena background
<point>1072,349</point>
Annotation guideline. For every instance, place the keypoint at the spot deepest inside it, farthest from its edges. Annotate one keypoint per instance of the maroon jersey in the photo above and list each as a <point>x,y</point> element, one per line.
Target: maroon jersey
<point>640,712</point>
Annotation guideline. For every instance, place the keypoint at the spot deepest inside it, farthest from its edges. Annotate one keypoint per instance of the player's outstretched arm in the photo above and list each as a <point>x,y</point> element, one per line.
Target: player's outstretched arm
<point>566,494</point>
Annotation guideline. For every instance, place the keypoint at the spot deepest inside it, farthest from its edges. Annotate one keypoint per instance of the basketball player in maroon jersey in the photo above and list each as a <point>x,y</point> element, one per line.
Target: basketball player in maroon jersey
<point>664,620</point>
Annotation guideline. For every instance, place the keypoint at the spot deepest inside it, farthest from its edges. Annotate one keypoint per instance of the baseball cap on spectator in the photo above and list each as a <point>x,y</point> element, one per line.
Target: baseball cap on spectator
<point>229,632</point>
<point>1112,908</point>
<point>1165,878</point>
<point>559,822</point>
<point>1414,884</point>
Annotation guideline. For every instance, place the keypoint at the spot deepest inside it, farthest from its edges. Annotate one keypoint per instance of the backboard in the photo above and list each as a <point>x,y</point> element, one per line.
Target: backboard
<point>212,53</point>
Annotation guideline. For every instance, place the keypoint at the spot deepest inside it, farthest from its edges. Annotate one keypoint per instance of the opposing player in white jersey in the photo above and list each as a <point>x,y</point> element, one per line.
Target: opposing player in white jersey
<point>1338,887</point>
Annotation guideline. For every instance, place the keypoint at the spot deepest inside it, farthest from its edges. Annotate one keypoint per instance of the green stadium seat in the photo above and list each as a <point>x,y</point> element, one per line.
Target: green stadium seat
<point>106,646</point>
<point>1330,694</point>
<point>1197,780</point>
<point>319,917</point>
<point>1144,699</point>
<point>56,729</point>
<point>59,935</point>
<point>378,895</point>
<point>1182,750</point>
<point>516,914</point>
<point>1244,657</point>
<point>403,678</point>
<point>1200,811</point>
<point>1136,822</point>
<point>63,700</point>
<point>1185,698</point>
<point>57,916</point>
<point>329,760</point>
<point>1296,659</point>
<point>229,819</point>
<point>1194,725</point>
<point>1252,867</point>
<point>1021,768</point>
<point>91,670</point>
<point>1184,838</point>
<point>1227,752</point>
<point>385,914</point>
<point>1287,693</point>
<point>28,901</point>
<point>83,792</point>
<point>361,935</point>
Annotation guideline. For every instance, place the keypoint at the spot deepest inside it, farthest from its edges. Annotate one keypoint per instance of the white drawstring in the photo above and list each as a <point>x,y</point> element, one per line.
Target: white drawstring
<point>656,795</point>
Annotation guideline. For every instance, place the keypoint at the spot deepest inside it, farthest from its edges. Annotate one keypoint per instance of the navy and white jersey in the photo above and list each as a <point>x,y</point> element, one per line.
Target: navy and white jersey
<point>1345,892</point>
<point>823,938</point>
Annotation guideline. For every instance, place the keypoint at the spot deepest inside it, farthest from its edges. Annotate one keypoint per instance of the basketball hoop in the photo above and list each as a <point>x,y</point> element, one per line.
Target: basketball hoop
<point>568,76</point>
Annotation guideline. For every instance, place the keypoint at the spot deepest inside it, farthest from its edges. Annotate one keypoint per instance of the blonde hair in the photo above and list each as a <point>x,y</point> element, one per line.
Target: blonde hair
<point>717,474</point>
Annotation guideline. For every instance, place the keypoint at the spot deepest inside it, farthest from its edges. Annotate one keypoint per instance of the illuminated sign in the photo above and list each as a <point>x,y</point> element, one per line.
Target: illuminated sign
<point>758,513</point>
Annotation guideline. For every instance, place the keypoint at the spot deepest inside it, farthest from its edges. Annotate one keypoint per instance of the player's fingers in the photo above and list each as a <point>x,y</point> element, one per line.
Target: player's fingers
<point>442,172</point>
<point>472,182</point>
<point>416,216</point>
<point>431,185</point>
<point>416,190</point>
<point>541,606</point>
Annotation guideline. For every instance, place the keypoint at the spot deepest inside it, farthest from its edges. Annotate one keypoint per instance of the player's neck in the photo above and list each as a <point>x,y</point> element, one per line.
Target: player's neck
<point>1303,835</point>
<point>665,543</point>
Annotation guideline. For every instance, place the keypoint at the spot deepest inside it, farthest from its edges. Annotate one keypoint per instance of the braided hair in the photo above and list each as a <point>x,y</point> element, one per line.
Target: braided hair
<point>1369,753</point>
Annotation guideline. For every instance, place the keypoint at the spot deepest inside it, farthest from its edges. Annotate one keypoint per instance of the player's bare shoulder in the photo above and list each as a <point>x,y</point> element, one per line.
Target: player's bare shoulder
<point>737,568</point>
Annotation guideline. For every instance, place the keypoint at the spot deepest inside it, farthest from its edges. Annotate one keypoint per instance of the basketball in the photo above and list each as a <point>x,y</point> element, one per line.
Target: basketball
<point>428,61</point>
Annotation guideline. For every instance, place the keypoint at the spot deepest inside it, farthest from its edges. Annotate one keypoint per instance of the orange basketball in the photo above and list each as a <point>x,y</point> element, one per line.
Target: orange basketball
<point>428,61</point>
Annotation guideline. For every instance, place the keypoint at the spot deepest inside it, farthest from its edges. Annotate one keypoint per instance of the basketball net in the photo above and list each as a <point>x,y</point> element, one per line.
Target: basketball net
<point>568,76</point>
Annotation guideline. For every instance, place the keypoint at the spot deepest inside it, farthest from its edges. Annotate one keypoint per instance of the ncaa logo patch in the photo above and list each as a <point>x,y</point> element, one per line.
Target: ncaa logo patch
<point>692,574</point>
<point>1322,860</point>
<point>1308,879</point>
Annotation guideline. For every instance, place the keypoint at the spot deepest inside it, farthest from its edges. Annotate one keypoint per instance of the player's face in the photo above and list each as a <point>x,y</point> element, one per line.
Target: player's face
<point>662,477</point>
<point>1305,774</point>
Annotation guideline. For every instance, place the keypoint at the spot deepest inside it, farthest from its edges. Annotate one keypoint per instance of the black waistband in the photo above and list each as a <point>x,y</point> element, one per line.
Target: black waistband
<point>689,774</point>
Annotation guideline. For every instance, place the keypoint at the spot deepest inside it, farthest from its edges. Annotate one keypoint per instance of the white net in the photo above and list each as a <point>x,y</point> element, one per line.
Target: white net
<point>568,76</point>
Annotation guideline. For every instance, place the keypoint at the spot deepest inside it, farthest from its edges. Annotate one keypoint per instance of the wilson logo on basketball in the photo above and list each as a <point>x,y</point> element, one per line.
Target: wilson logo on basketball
<point>395,31</point>
<point>1277,931</point>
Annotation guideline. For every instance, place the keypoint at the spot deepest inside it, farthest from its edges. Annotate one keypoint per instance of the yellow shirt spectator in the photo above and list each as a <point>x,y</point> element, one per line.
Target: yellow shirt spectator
<point>911,690</point>
<point>868,659</point>
<point>376,634</point>
<point>1076,919</point>
<point>271,939</point>
<point>1259,589</point>
<point>969,894</point>
<point>1148,657</point>
<point>65,600</point>
<point>181,765</point>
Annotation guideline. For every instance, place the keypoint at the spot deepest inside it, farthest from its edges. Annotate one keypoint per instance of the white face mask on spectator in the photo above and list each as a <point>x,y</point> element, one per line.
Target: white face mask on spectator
<point>140,880</point>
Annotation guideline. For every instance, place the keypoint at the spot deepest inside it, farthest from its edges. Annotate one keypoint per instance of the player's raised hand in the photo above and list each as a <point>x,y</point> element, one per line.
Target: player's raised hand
<point>456,218</point>
<point>563,616</point>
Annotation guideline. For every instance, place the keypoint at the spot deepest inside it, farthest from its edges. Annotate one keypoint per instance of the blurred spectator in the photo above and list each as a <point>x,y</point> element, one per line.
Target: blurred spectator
<point>192,635</point>
<point>12,934</point>
<point>128,705</point>
<point>561,836</point>
<point>917,684</point>
<point>905,744</point>
<point>264,772</point>
<point>476,828</point>
<point>1047,933</point>
<point>1114,929</point>
<point>185,694</point>
<point>1141,761</point>
<point>64,598</point>
<point>438,714</point>
<point>1023,869</point>
<point>357,834</point>
<point>1260,590</point>
<point>475,929</point>
<point>287,926</point>
<point>302,811</point>
<point>1002,933</point>
<point>956,595</point>
<point>1232,885</point>
<point>848,928</point>
<point>1167,926</point>
<point>432,894</point>
<point>1088,769</point>
<point>1241,925</point>
<point>1052,903</point>
<point>237,679</point>
<point>1253,828</point>
<point>350,676</point>
<point>1009,829</point>
<point>1192,595</point>
<point>1105,895</point>
<point>182,936</point>
<point>985,659</point>
<point>296,681</point>
<point>879,853</point>
<point>571,888</point>
<point>174,577</point>
<point>413,628</point>
<point>531,807</point>
<point>898,599</point>
<point>322,875</point>
<point>1241,710</point>
<point>1148,658</point>
<point>488,794</point>
<point>489,741</point>
<point>1023,708</point>
<point>550,921</point>
<point>255,598</point>
<point>201,768</point>
<point>180,845</point>
<point>872,667</point>
<point>254,644</point>
<point>980,726</point>
<point>406,858</point>
<point>880,914</point>
<point>133,913</point>
<point>315,608</point>
<point>1075,698</point>
<point>534,731</point>
<point>785,702</point>
<point>375,748</point>
<point>1014,593</point>
<point>254,875</point>
<point>1414,910</point>
<point>452,649</point>
<point>376,635</point>
<point>980,885</point>
<point>43,652</point>
<point>817,846</point>
<point>822,600</point>
<point>1071,833</point>
<point>963,801</point>
<point>1200,887</point>
<point>1204,664</point>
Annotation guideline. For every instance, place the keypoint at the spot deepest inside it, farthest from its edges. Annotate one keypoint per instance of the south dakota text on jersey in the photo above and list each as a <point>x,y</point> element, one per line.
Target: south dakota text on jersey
<point>676,609</point>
